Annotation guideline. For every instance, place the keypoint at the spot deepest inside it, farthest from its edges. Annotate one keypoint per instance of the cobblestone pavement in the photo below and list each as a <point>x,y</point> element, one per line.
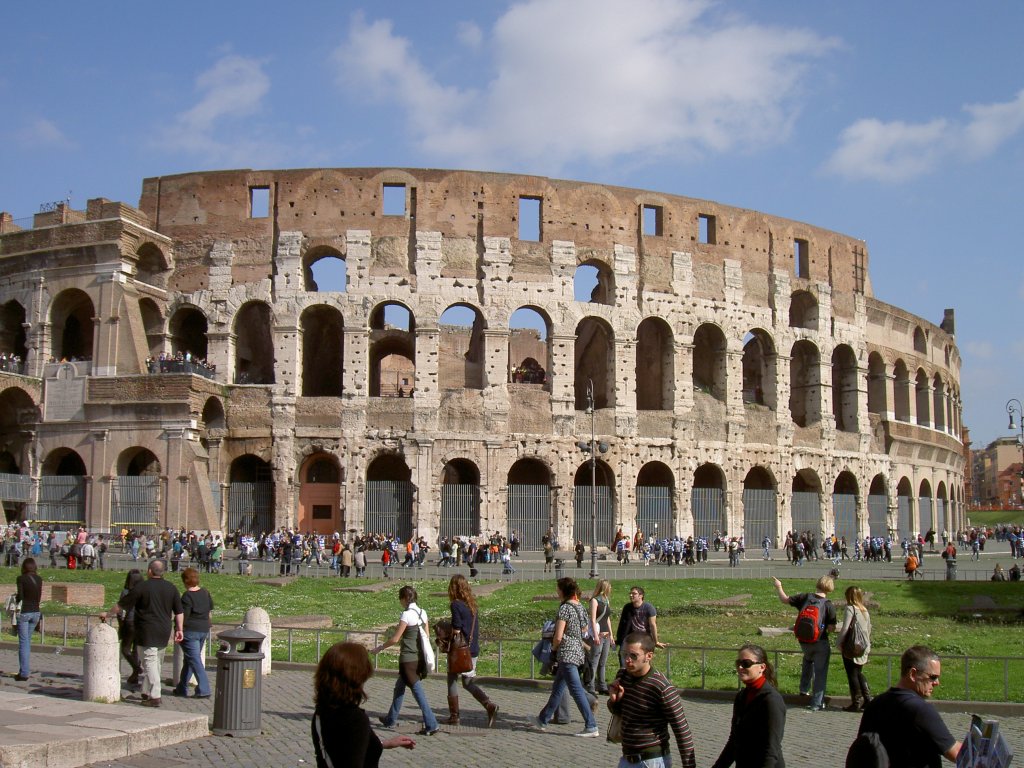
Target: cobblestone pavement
<point>817,740</point>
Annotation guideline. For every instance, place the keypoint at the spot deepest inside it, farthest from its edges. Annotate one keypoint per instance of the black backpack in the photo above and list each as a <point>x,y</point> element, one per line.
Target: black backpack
<point>867,751</point>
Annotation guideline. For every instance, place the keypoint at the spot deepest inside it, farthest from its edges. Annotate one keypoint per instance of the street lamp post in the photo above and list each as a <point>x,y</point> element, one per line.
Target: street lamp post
<point>592,448</point>
<point>1014,409</point>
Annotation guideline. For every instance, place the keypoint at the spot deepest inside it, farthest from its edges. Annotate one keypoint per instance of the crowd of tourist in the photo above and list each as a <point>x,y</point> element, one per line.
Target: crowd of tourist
<point>181,362</point>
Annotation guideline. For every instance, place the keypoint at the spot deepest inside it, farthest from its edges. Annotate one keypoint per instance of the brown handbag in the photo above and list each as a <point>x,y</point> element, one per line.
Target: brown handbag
<point>460,659</point>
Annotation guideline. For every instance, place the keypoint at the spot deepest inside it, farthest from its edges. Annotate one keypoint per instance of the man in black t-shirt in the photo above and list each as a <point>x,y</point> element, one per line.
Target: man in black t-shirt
<point>814,671</point>
<point>909,727</point>
<point>155,602</point>
<point>637,616</point>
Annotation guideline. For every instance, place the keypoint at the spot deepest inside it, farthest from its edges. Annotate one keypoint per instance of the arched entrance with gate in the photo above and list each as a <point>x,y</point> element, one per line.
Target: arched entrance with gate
<point>707,501</point>
<point>529,501</point>
<point>135,491</point>
<point>760,508</point>
<point>654,493</point>
<point>597,503</point>
<point>389,497</point>
<point>62,490</point>
<point>460,499</point>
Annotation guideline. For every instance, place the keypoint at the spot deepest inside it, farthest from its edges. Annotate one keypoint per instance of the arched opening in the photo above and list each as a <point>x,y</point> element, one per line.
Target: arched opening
<point>153,325</point>
<point>150,264</point>
<point>213,414</point>
<point>389,497</point>
<point>759,369</point>
<point>62,489</point>
<point>529,502</point>
<point>901,391</point>
<point>655,366</point>
<point>877,391</point>
<point>923,400</point>
<point>8,466</point>
<point>135,490</point>
<point>845,388</point>
<point>323,351</point>
<point>461,349</point>
<point>392,351</point>
<point>595,361</point>
<point>760,508</point>
<point>254,344</point>
<point>878,507</point>
<point>71,316</point>
<point>12,337</point>
<point>250,495</point>
<point>707,502</point>
<point>594,283</point>
<point>460,499</point>
<point>806,503</point>
<point>529,349</point>
<point>920,341</point>
<point>655,486</point>
<point>803,310</point>
<point>594,504</point>
<point>320,495</point>
<point>188,329</point>
<point>939,402</point>
<point>324,270</point>
<point>926,520</point>
<point>904,509</point>
<point>844,506</point>
<point>805,384</point>
<point>710,373</point>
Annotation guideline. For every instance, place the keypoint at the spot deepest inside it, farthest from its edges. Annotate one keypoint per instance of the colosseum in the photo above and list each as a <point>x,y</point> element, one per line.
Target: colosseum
<point>448,352</point>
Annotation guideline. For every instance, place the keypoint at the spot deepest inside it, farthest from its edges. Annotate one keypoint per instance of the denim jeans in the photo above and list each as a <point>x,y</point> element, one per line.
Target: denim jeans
<point>192,651</point>
<point>598,662</point>
<point>27,623</point>
<point>568,676</point>
<point>815,668</point>
<point>417,691</point>
<point>652,762</point>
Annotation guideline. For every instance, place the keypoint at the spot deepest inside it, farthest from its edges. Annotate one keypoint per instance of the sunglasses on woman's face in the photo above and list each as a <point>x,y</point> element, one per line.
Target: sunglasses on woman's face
<point>747,663</point>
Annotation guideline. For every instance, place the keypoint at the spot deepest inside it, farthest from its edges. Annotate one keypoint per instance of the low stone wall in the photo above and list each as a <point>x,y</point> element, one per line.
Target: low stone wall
<point>69,594</point>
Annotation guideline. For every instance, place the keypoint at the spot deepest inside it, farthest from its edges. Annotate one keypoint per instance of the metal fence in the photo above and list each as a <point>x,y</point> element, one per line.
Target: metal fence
<point>605,509</point>
<point>760,516</point>
<point>15,487</point>
<point>924,517</point>
<point>460,510</point>
<point>61,500</point>
<point>806,506</point>
<point>135,501</point>
<point>654,510</point>
<point>708,507</point>
<point>878,515</point>
<point>844,506</point>
<point>250,507</point>
<point>388,508</point>
<point>904,528</point>
<point>529,513</point>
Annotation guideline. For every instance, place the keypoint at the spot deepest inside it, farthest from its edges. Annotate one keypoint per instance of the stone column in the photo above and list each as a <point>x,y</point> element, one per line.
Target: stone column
<point>258,620</point>
<point>101,674</point>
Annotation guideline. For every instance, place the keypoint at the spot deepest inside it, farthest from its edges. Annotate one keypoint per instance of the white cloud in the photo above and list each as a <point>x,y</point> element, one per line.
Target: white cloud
<point>897,151</point>
<point>40,132</point>
<point>980,349</point>
<point>595,79</point>
<point>470,35</point>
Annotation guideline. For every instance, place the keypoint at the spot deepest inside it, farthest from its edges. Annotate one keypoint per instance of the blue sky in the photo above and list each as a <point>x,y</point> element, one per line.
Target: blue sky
<point>899,123</point>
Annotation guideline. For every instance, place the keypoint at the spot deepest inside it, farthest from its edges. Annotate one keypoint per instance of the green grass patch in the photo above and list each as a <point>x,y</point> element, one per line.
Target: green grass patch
<point>990,517</point>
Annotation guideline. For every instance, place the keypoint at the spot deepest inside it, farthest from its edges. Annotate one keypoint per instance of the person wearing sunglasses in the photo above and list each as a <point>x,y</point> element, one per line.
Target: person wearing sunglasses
<point>758,715</point>
<point>909,726</point>
<point>649,705</point>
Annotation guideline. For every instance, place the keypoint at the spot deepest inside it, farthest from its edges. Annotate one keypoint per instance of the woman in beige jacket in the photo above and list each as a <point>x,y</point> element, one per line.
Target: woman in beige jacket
<point>856,620</point>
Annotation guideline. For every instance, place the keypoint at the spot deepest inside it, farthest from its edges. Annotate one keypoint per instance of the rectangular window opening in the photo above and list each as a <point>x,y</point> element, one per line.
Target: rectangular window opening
<point>652,220</point>
<point>394,199</point>
<point>322,512</point>
<point>859,270</point>
<point>259,202</point>
<point>801,258</point>
<point>529,218</point>
<point>708,229</point>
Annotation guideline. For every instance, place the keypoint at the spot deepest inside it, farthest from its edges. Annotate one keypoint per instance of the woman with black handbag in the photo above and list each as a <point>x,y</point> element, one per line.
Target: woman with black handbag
<point>464,649</point>
<point>854,641</point>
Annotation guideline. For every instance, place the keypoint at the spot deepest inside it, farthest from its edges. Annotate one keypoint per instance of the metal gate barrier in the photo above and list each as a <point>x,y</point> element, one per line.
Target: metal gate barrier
<point>135,501</point>
<point>529,513</point>
<point>878,515</point>
<point>61,500</point>
<point>654,511</point>
<point>924,507</point>
<point>388,508</point>
<point>460,510</point>
<point>844,506</point>
<point>904,529</point>
<point>250,507</point>
<point>581,526</point>
<point>760,516</point>
<point>806,506</point>
<point>708,507</point>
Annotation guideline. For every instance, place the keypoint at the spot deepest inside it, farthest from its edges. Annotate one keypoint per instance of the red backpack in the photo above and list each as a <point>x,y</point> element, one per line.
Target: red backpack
<point>810,622</point>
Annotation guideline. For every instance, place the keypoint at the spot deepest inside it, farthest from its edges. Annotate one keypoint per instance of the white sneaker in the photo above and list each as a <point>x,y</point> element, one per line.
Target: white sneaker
<point>540,726</point>
<point>589,734</point>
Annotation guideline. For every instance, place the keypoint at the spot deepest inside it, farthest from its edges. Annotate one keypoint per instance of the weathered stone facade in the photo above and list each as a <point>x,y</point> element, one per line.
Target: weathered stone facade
<point>737,360</point>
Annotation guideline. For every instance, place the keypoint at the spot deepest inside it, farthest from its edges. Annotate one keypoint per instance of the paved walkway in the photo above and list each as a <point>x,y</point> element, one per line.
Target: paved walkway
<point>813,740</point>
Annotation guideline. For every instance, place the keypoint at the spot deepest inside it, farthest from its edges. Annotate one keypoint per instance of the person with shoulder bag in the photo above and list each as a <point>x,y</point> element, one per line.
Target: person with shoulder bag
<point>854,642</point>
<point>464,646</point>
<point>601,635</point>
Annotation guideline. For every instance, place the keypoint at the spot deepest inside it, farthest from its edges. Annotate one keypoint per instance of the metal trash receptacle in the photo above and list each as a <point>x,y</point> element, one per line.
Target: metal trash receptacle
<point>238,701</point>
<point>559,567</point>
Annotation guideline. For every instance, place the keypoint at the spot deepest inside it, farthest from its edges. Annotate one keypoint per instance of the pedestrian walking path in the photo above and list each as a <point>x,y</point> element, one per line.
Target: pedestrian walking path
<point>48,708</point>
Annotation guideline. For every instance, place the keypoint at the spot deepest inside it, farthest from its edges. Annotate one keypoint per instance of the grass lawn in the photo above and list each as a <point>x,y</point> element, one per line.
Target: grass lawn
<point>691,615</point>
<point>996,517</point>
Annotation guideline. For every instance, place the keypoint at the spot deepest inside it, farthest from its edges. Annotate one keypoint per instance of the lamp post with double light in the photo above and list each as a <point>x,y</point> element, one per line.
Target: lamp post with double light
<point>1015,411</point>
<point>592,448</point>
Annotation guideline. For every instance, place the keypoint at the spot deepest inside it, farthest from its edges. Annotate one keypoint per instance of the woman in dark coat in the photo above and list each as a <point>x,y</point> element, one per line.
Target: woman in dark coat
<point>126,629</point>
<point>758,715</point>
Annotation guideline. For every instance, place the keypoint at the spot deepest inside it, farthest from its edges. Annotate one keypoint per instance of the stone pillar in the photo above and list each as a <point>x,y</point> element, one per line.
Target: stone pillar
<point>258,620</point>
<point>101,674</point>
<point>625,387</point>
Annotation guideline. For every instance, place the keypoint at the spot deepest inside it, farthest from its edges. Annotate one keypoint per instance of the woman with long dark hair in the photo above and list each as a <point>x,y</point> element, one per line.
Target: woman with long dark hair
<point>29,596</point>
<point>126,629</point>
<point>342,737</point>
<point>465,619</point>
<point>758,715</point>
<point>408,660</point>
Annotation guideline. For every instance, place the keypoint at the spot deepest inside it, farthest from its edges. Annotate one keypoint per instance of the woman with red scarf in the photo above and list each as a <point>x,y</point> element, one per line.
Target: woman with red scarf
<point>758,715</point>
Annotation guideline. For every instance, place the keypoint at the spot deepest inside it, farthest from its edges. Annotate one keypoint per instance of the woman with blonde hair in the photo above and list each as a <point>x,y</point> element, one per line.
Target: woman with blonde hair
<point>857,621</point>
<point>601,641</point>
<point>465,619</point>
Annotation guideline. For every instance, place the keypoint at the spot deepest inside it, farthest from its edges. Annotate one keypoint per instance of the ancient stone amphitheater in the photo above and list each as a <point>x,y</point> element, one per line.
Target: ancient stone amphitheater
<point>436,352</point>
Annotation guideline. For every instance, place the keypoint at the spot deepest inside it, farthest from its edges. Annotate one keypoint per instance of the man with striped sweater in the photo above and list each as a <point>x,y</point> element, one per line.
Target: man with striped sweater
<point>649,705</point>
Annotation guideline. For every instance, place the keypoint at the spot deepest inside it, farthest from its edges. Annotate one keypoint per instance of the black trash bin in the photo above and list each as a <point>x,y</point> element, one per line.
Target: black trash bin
<point>559,567</point>
<point>238,702</point>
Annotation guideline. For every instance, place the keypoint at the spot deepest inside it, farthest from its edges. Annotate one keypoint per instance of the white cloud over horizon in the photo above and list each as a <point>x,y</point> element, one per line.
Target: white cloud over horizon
<point>594,80</point>
<point>42,132</point>
<point>897,151</point>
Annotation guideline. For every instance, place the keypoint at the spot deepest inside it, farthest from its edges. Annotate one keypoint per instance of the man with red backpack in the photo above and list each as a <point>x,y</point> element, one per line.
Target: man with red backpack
<point>817,617</point>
